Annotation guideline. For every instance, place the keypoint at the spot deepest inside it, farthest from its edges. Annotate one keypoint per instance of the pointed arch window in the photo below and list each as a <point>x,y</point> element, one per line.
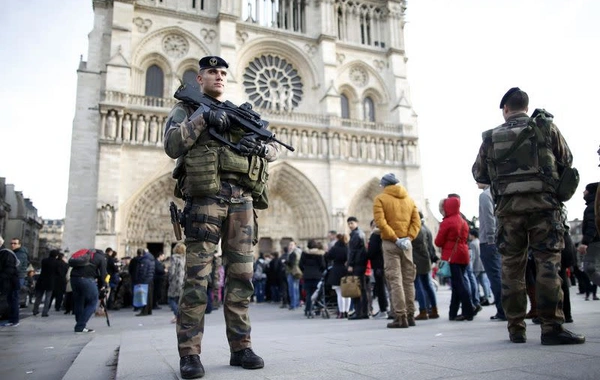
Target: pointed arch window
<point>155,80</point>
<point>189,78</point>
<point>345,107</point>
<point>369,109</point>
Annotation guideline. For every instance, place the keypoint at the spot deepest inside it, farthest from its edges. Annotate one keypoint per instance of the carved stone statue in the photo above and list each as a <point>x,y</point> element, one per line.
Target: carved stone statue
<point>153,130</point>
<point>106,219</point>
<point>140,129</point>
<point>111,125</point>
<point>127,128</point>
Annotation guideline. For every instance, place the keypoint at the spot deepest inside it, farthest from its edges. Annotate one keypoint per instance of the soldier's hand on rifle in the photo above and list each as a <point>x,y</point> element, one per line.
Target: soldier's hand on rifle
<point>217,119</point>
<point>250,146</point>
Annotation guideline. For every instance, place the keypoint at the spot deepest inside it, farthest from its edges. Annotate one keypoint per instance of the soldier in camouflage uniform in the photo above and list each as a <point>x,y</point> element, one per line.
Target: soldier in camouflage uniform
<point>523,175</point>
<point>219,206</point>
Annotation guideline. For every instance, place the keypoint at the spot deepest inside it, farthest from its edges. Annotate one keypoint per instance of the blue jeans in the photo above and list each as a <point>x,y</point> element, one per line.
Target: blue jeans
<point>259,289</point>
<point>173,304</point>
<point>473,287</point>
<point>85,299</point>
<point>492,262</point>
<point>424,292</point>
<point>482,280</point>
<point>294,291</point>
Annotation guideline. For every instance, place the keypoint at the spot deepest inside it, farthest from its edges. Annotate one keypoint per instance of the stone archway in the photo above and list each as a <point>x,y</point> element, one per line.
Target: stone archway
<point>296,208</point>
<point>149,219</point>
<point>361,205</point>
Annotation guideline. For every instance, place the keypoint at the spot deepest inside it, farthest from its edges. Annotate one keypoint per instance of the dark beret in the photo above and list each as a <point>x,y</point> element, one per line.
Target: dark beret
<point>212,61</point>
<point>507,96</point>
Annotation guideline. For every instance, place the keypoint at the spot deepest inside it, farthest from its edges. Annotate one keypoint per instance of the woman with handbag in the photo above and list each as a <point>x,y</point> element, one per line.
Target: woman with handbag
<point>339,255</point>
<point>452,238</point>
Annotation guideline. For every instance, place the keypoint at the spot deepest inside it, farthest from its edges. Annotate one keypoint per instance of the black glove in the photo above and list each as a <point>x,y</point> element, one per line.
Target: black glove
<point>217,119</point>
<point>250,146</point>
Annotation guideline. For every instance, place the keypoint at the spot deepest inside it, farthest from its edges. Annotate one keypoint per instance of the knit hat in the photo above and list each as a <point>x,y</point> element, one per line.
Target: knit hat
<point>388,179</point>
<point>592,187</point>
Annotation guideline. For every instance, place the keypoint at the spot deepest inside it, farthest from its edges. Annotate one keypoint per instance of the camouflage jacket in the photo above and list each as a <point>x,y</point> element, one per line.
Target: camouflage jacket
<point>522,203</point>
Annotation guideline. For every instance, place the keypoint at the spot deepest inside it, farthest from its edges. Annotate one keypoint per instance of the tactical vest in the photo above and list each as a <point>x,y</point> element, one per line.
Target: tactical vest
<point>208,163</point>
<point>521,159</point>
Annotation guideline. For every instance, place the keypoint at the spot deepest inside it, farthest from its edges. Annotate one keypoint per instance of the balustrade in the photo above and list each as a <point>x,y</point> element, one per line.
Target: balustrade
<point>140,120</point>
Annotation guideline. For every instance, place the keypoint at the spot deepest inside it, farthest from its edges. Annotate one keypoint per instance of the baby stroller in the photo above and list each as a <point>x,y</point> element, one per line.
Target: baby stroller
<point>319,297</point>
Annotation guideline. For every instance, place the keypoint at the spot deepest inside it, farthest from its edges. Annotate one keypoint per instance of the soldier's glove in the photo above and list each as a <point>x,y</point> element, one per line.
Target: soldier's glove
<point>403,243</point>
<point>217,119</point>
<point>212,118</point>
<point>250,146</point>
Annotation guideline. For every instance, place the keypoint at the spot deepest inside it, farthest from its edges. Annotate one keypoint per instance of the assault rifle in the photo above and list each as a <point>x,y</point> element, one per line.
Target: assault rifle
<point>243,116</point>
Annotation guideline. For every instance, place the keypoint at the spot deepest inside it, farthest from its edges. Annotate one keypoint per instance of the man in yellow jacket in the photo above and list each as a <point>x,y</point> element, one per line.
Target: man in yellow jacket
<point>398,219</point>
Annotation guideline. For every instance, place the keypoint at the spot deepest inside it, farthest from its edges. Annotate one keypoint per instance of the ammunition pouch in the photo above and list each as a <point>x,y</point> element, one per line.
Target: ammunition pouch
<point>202,171</point>
<point>567,184</point>
<point>205,166</point>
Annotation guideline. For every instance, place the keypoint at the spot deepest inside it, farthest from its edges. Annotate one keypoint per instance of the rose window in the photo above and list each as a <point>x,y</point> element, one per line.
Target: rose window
<point>272,83</point>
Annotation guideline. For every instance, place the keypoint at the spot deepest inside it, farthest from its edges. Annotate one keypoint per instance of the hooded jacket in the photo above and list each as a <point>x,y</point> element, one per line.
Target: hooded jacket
<point>453,227</point>
<point>395,214</point>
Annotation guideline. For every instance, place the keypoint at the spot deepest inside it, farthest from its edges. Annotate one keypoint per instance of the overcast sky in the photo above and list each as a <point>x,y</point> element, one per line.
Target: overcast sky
<point>463,56</point>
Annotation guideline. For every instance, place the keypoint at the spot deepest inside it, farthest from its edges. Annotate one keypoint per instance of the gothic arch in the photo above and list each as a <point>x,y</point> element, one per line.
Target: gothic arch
<point>296,207</point>
<point>149,44</point>
<point>361,205</point>
<point>187,64</point>
<point>148,219</point>
<point>377,86</point>
<point>268,45</point>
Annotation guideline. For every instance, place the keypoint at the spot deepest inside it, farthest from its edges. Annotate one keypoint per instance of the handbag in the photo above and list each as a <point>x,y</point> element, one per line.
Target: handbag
<point>444,266</point>
<point>140,295</point>
<point>443,269</point>
<point>350,286</point>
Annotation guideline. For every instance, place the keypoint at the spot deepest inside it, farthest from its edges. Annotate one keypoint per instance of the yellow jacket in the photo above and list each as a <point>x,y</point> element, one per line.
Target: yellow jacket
<point>395,214</point>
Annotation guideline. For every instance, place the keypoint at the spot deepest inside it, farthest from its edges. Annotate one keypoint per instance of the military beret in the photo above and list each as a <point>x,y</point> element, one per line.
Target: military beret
<point>212,61</point>
<point>507,96</point>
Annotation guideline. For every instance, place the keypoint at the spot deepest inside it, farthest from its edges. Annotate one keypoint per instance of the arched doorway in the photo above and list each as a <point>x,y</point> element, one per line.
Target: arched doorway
<point>149,221</point>
<point>361,205</point>
<point>296,210</point>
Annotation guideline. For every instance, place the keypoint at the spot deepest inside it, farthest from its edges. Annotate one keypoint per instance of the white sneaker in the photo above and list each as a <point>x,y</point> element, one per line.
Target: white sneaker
<point>382,315</point>
<point>85,331</point>
<point>10,324</point>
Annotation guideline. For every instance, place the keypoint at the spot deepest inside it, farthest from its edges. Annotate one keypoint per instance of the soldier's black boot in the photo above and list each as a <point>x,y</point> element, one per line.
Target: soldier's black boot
<point>559,335</point>
<point>246,359</point>
<point>191,367</point>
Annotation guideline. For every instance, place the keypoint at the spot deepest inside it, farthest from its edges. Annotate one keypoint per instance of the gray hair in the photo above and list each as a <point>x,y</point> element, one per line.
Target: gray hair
<point>1,241</point>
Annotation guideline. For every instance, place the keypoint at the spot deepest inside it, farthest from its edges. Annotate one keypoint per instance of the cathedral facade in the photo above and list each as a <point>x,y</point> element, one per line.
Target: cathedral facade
<point>328,75</point>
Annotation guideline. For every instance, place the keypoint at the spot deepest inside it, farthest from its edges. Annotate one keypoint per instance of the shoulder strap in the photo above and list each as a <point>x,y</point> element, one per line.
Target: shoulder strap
<point>524,134</point>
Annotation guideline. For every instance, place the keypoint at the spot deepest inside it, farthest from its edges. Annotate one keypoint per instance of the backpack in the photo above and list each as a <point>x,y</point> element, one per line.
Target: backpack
<point>82,258</point>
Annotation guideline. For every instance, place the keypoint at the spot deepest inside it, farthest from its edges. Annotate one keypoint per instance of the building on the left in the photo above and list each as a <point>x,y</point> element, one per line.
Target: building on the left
<point>19,219</point>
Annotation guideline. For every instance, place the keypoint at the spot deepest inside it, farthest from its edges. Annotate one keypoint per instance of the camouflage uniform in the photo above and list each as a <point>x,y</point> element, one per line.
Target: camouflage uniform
<point>232,220</point>
<point>528,220</point>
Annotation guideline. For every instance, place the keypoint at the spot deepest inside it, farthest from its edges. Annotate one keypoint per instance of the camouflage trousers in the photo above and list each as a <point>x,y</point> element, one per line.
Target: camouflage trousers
<point>542,233</point>
<point>237,233</point>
